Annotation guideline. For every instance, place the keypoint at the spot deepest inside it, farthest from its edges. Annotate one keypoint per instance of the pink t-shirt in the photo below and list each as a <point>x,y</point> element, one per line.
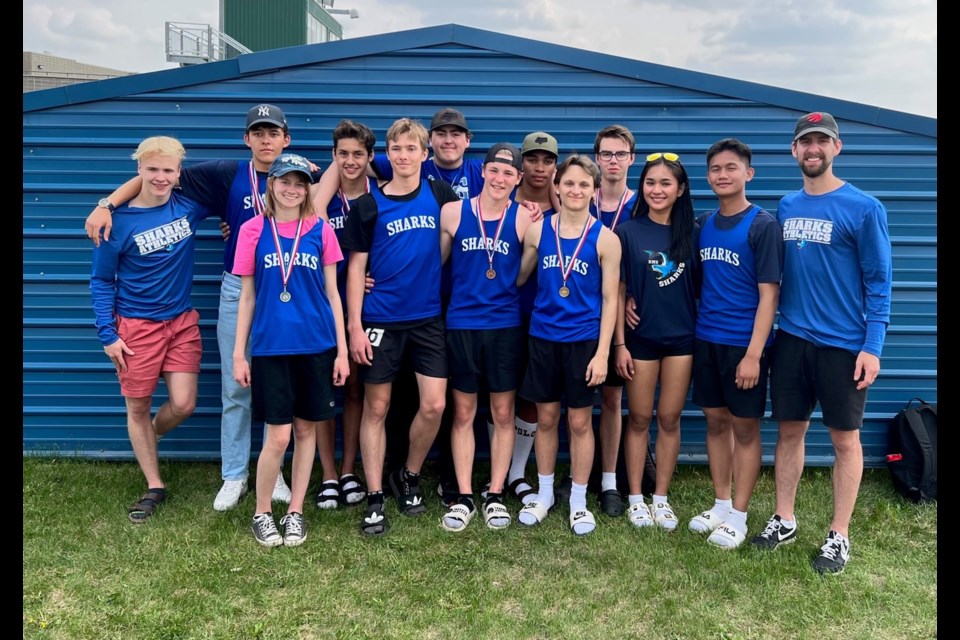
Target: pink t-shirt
<point>244,263</point>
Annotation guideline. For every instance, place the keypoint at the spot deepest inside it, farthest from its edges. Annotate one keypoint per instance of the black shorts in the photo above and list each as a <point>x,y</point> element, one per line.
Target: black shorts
<point>558,370</point>
<point>485,355</point>
<point>715,380</point>
<point>801,374</point>
<point>285,387</point>
<point>643,349</point>
<point>421,342</point>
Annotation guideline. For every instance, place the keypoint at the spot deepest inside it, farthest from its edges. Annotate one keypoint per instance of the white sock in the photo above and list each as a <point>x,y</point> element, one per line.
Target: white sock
<point>578,497</point>
<point>608,481</point>
<point>657,498</point>
<point>721,508</point>
<point>635,499</point>
<point>545,490</point>
<point>522,446</point>
<point>737,520</point>
<point>790,524</point>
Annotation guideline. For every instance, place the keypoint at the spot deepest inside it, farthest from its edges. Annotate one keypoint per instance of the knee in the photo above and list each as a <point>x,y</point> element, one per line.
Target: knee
<point>846,444</point>
<point>183,407</point>
<point>639,423</point>
<point>580,426</point>
<point>432,408</point>
<point>375,409</point>
<point>277,441</point>
<point>612,402</point>
<point>502,415</point>
<point>668,422</point>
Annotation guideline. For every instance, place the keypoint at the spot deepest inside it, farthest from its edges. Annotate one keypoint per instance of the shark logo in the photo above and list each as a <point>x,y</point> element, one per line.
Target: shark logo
<point>802,243</point>
<point>661,264</point>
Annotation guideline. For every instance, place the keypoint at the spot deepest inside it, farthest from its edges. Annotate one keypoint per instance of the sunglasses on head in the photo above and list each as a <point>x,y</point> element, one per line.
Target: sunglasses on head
<point>669,157</point>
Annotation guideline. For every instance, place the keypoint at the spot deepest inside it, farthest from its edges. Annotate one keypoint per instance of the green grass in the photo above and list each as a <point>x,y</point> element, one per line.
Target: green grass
<point>192,572</point>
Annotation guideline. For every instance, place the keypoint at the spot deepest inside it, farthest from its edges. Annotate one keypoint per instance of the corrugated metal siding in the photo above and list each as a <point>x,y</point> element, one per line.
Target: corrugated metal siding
<point>266,25</point>
<point>74,153</point>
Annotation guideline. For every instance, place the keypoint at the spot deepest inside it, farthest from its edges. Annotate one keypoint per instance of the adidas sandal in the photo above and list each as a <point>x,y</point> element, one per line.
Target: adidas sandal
<point>374,521</point>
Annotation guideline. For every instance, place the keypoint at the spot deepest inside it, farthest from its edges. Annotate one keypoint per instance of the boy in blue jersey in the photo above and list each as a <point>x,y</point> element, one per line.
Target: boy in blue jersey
<point>234,189</point>
<point>574,313</point>
<point>352,150</point>
<point>396,229</point>
<point>741,256</point>
<point>834,312</point>
<point>140,287</point>
<point>483,238</point>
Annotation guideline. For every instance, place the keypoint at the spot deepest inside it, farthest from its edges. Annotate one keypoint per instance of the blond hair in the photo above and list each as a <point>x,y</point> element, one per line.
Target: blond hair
<point>159,145</point>
<point>408,126</point>
<point>306,207</point>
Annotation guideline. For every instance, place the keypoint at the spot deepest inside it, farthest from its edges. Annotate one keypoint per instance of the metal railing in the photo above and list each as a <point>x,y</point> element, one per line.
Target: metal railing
<point>193,43</point>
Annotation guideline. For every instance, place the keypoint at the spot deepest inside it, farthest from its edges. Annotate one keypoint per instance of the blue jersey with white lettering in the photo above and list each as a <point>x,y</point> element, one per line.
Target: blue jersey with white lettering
<point>575,317</point>
<point>338,212</point>
<point>837,269</point>
<point>477,302</point>
<point>145,270</point>
<point>305,324</point>
<point>401,234</point>
<point>737,254</point>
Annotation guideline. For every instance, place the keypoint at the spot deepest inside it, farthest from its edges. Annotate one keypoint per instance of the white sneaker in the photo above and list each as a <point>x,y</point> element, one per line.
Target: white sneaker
<point>727,537</point>
<point>664,516</point>
<point>230,494</point>
<point>639,515</point>
<point>281,492</point>
<point>706,522</point>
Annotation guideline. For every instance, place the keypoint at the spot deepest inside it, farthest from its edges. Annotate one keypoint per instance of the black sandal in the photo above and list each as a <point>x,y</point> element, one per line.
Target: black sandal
<point>328,497</point>
<point>352,489</point>
<point>374,521</point>
<point>517,492</point>
<point>142,509</point>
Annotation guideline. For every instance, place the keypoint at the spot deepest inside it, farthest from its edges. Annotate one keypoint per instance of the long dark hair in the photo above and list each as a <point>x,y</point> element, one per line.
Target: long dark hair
<point>681,215</point>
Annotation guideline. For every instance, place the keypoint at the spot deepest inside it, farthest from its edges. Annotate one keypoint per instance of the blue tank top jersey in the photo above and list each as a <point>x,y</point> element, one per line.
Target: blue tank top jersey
<point>577,316</point>
<point>607,217</point>
<point>305,324</point>
<point>477,302</point>
<point>528,292</point>
<point>665,291</point>
<point>729,295</point>
<point>402,236</point>
<point>337,212</point>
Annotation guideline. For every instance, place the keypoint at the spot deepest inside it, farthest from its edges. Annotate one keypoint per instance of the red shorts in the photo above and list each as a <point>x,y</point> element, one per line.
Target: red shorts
<point>158,347</point>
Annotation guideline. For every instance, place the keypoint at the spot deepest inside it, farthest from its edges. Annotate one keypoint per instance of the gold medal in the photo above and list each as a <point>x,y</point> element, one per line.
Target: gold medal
<point>491,274</point>
<point>564,292</point>
<point>284,296</point>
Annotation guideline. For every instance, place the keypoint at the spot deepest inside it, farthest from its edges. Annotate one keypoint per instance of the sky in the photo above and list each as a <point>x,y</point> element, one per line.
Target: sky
<point>876,52</point>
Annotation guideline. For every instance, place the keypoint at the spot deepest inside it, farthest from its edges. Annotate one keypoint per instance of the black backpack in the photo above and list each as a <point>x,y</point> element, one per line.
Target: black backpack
<point>912,451</point>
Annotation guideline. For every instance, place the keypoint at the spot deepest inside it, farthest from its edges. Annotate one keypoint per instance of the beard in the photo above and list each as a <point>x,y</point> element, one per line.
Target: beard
<point>817,171</point>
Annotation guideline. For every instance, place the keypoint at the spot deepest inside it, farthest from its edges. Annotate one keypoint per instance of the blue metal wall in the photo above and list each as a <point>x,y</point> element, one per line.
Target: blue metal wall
<point>77,142</point>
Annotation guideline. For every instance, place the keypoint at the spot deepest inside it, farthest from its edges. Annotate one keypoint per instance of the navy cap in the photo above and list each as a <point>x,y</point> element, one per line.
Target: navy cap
<point>289,162</point>
<point>266,114</point>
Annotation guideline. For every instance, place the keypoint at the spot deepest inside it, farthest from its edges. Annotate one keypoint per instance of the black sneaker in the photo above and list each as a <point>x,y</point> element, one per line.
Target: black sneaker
<point>408,498</point>
<point>774,534</point>
<point>265,530</point>
<point>374,520</point>
<point>447,497</point>
<point>833,554</point>
<point>294,529</point>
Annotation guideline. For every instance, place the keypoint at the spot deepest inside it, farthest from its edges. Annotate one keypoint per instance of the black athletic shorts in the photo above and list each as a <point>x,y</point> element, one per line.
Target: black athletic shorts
<point>715,380</point>
<point>487,355</point>
<point>284,387</point>
<point>558,370</point>
<point>642,349</point>
<point>801,374</point>
<point>422,342</point>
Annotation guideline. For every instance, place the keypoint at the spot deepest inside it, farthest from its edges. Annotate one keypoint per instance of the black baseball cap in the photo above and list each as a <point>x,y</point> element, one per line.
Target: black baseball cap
<point>506,153</point>
<point>450,117</point>
<point>816,122</point>
<point>266,114</point>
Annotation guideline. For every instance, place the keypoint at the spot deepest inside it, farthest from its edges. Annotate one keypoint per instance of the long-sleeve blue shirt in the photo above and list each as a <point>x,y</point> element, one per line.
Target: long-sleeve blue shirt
<point>145,270</point>
<point>837,269</point>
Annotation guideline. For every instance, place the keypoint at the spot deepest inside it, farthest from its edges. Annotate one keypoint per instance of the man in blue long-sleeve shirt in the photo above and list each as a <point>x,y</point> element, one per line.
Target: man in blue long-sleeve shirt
<point>834,312</point>
<point>140,287</point>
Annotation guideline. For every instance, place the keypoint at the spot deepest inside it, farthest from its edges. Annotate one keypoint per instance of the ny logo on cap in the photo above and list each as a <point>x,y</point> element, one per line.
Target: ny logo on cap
<point>263,110</point>
<point>540,139</point>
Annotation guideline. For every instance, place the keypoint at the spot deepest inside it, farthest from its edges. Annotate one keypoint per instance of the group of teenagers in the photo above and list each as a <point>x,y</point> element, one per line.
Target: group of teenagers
<point>523,282</point>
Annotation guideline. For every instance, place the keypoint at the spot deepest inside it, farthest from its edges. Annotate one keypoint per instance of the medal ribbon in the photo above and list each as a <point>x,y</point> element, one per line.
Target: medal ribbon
<point>286,267</point>
<point>344,203</point>
<point>616,218</point>
<point>258,205</point>
<point>565,270</point>
<point>483,232</point>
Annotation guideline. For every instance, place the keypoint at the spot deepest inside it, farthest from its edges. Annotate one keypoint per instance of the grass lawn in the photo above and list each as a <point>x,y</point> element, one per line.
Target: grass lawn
<point>192,572</point>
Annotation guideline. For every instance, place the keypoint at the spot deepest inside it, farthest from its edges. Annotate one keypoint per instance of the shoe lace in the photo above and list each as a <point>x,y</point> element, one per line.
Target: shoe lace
<point>832,548</point>
<point>293,524</point>
<point>773,525</point>
<point>265,524</point>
